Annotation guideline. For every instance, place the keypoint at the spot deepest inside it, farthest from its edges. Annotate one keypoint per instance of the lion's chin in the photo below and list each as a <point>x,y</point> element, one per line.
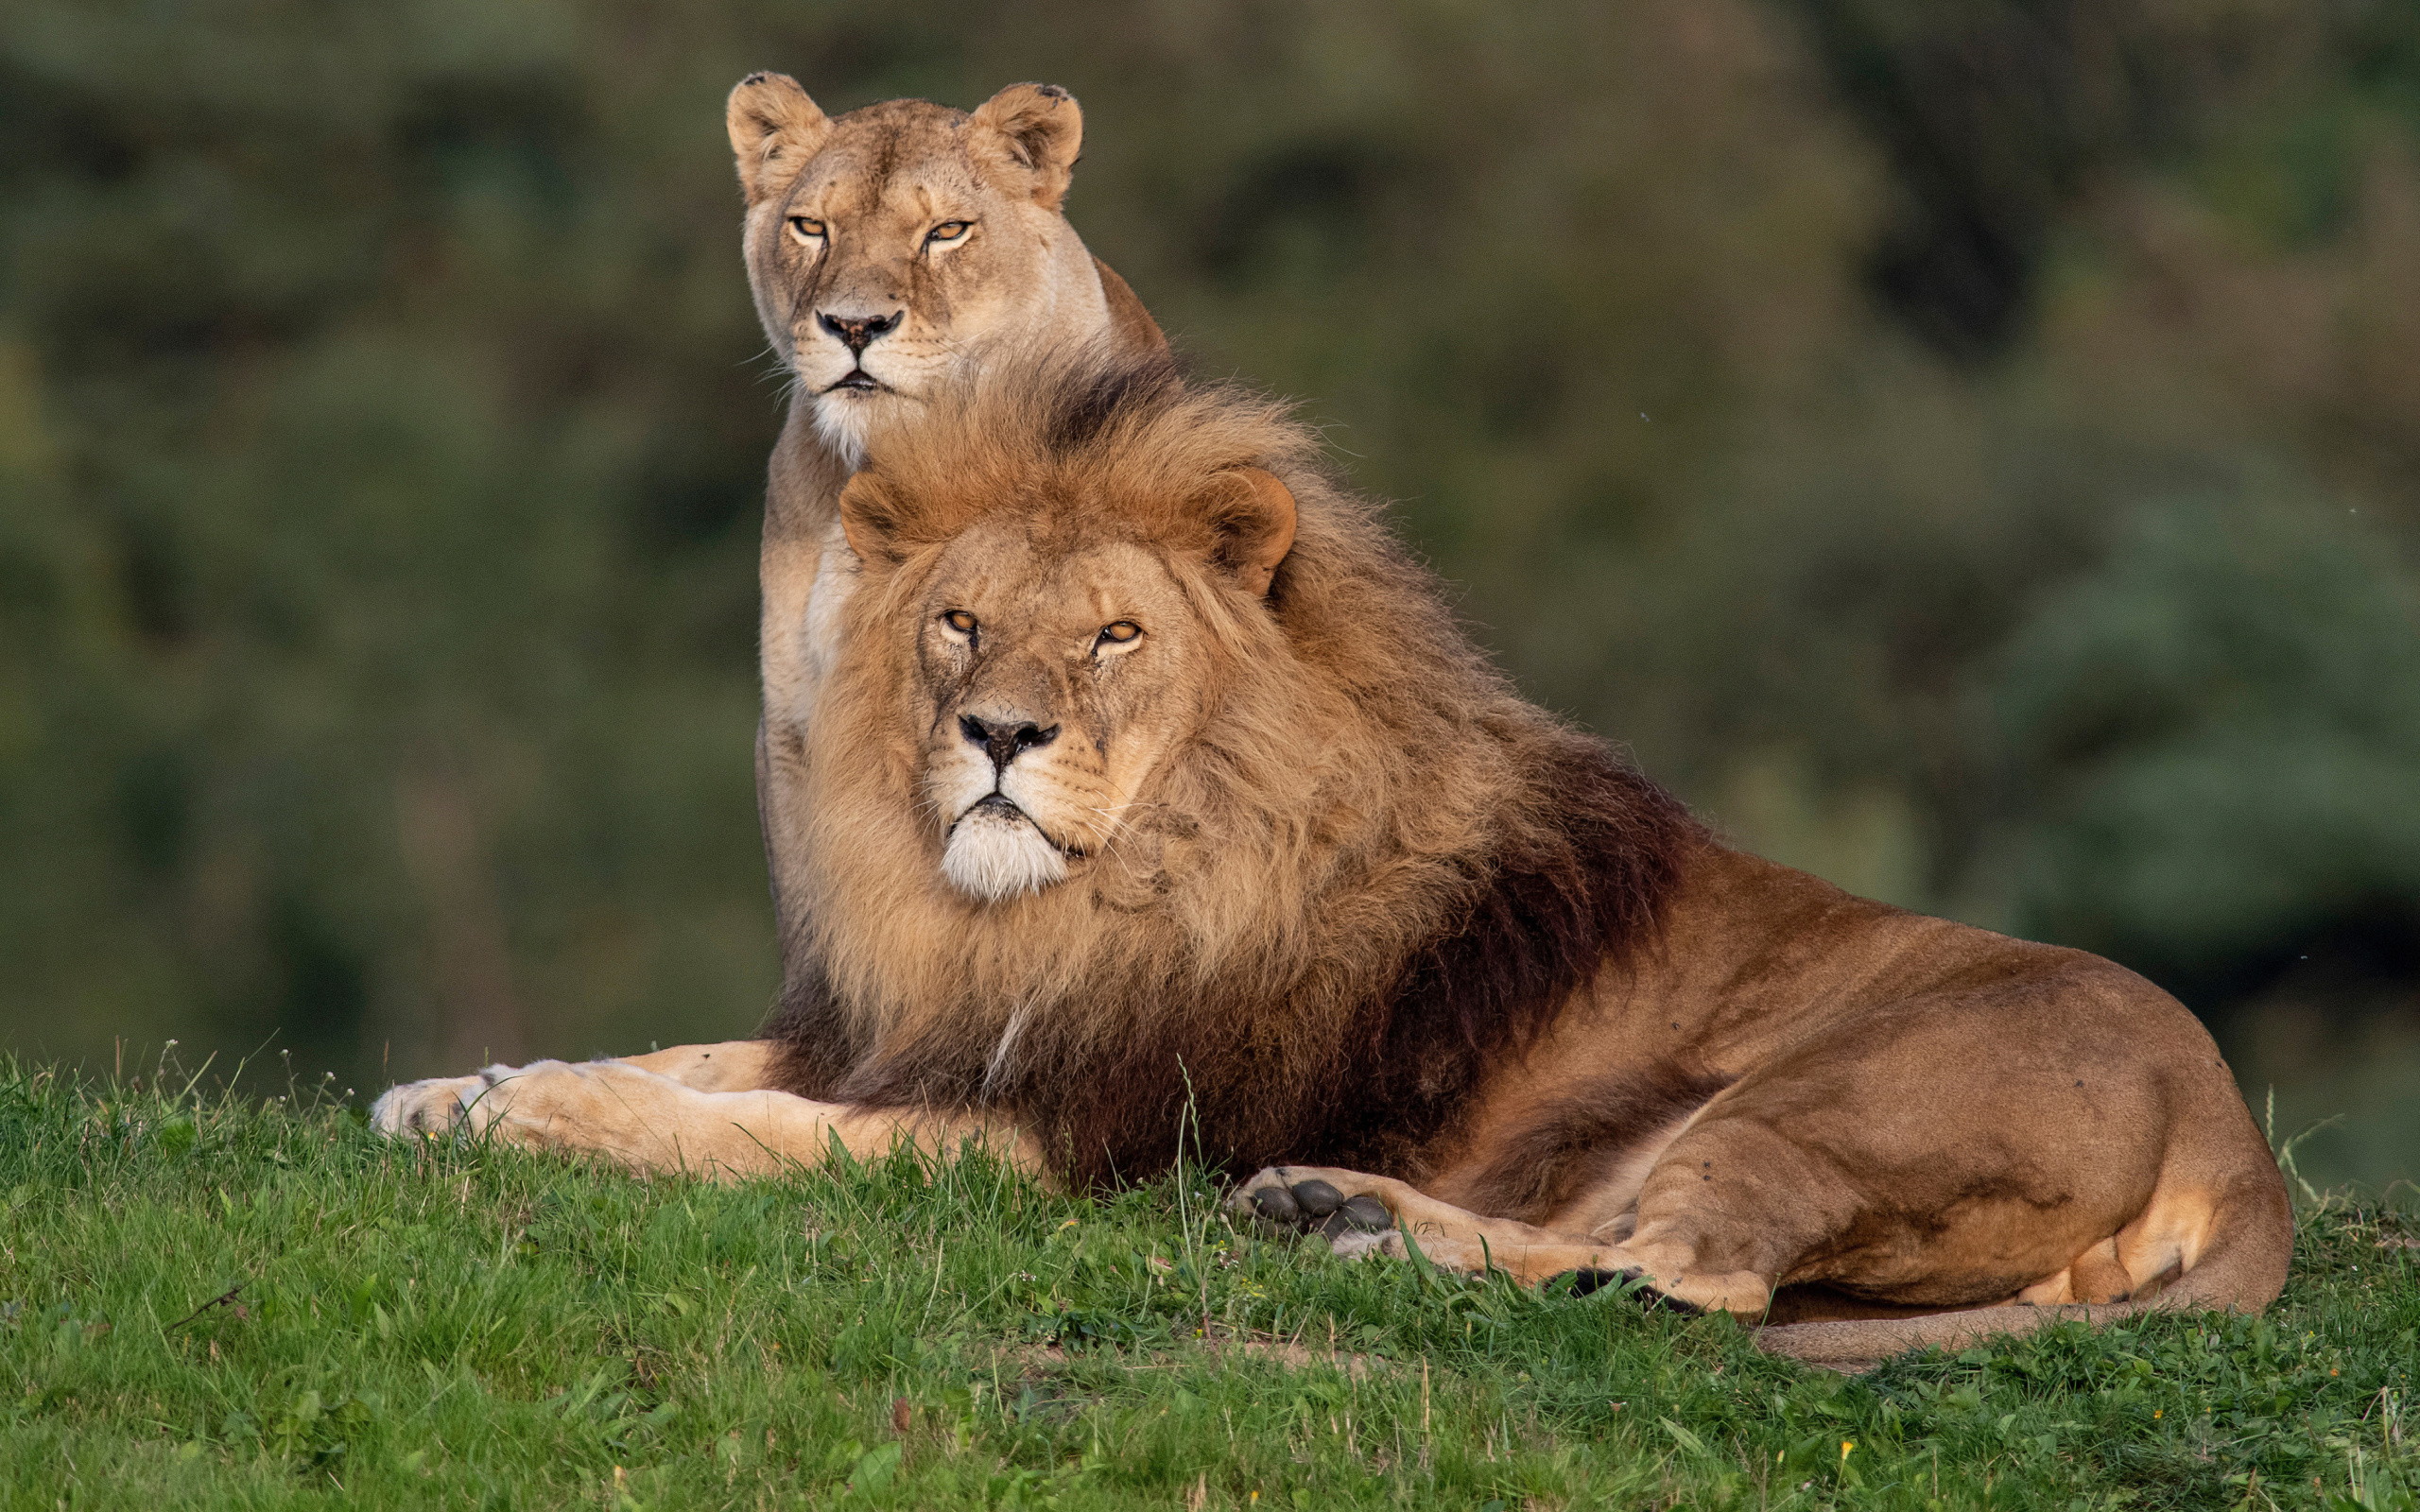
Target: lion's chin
<point>995,853</point>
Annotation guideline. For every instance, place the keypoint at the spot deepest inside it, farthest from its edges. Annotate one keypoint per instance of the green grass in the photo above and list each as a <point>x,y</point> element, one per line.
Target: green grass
<point>468,1327</point>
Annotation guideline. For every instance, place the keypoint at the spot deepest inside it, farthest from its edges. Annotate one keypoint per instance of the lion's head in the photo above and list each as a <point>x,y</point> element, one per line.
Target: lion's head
<point>1151,766</point>
<point>1060,665</point>
<point>888,245</point>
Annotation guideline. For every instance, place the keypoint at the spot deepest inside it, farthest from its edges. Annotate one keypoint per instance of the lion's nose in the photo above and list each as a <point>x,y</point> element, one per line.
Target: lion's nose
<point>1005,740</point>
<point>858,331</point>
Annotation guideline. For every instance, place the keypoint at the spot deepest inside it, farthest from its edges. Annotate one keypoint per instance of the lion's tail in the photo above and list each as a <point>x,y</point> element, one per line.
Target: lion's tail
<point>2242,1271</point>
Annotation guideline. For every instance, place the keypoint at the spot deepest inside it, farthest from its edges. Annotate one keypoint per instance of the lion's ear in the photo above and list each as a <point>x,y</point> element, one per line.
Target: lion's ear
<point>1254,518</point>
<point>871,521</point>
<point>1045,130</point>
<point>774,128</point>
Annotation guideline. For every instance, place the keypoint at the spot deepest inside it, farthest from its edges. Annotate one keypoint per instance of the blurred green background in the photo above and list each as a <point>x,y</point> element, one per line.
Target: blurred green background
<point>1970,448</point>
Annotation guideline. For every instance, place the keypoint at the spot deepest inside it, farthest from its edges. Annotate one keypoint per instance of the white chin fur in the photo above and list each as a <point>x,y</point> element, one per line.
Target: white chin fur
<point>994,855</point>
<point>841,420</point>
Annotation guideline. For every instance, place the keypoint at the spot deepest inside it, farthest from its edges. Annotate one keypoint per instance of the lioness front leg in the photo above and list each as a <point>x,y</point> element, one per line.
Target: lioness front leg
<point>1365,1215</point>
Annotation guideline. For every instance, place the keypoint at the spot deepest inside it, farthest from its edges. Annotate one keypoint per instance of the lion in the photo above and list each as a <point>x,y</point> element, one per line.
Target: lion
<point>887,249</point>
<point>1156,789</point>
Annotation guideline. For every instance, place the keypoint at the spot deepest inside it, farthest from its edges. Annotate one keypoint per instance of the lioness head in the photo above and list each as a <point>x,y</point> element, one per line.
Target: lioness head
<point>888,245</point>
<point>1058,646</point>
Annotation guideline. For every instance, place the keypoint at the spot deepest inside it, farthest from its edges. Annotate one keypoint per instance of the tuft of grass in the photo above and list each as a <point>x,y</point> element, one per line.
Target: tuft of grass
<point>207,1301</point>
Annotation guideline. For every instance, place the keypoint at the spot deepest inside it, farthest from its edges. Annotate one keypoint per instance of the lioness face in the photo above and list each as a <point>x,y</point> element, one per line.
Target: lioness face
<point>1046,680</point>
<point>889,245</point>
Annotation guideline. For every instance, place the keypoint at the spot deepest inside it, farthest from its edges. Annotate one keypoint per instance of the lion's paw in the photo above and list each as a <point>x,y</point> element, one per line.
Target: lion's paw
<point>1631,1280</point>
<point>1297,1202</point>
<point>442,1105</point>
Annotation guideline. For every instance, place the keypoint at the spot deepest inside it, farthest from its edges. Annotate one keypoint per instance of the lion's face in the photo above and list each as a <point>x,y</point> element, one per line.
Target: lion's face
<point>1050,685</point>
<point>1049,662</point>
<point>889,245</point>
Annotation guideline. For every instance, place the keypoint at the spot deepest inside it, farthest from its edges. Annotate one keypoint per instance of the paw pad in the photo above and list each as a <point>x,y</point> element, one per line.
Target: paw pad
<point>1311,1205</point>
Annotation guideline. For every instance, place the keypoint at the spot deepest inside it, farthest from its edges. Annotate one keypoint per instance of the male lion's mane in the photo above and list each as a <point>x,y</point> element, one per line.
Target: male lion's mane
<point>1372,871</point>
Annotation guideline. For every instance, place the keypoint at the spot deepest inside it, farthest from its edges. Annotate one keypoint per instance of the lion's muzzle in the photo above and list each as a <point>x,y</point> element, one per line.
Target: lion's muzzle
<point>1005,740</point>
<point>996,851</point>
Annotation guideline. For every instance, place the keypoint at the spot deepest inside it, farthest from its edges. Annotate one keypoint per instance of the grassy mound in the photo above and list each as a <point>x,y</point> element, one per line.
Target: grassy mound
<point>218,1302</point>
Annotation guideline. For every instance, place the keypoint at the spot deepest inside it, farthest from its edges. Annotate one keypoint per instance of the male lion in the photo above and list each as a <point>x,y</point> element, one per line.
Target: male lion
<point>1151,775</point>
<point>885,250</point>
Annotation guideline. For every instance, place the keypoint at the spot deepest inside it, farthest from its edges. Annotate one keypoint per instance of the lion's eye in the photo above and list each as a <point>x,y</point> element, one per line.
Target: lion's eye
<point>947,231</point>
<point>806,227</point>
<point>1120,633</point>
<point>960,621</point>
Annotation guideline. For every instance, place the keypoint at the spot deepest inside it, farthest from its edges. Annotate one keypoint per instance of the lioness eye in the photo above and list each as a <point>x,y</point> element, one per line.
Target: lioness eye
<point>948,230</point>
<point>1120,632</point>
<point>806,227</point>
<point>960,621</point>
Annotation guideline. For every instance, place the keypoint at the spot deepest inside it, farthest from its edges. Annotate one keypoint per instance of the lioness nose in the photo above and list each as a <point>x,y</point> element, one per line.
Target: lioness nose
<point>1005,740</point>
<point>858,331</point>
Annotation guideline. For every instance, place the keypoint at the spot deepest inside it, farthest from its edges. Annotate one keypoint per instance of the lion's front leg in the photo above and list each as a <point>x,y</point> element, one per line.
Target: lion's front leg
<point>633,1116</point>
<point>436,1105</point>
<point>646,1121</point>
<point>731,1066</point>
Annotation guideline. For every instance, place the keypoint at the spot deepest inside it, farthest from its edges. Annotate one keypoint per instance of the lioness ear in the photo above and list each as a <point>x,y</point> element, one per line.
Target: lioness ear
<point>774,128</point>
<point>1255,523</point>
<point>1045,130</point>
<point>871,521</point>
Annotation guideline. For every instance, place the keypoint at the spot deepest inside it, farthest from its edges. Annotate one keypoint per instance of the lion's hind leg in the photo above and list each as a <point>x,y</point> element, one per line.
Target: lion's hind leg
<point>1365,1215</point>
<point>1311,1198</point>
<point>1591,1267</point>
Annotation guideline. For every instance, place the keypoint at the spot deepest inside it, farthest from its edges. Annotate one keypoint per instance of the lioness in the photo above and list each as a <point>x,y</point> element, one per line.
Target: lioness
<point>1150,774</point>
<point>887,249</point>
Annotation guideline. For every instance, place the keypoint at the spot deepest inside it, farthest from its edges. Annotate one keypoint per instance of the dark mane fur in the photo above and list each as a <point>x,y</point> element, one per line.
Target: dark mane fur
<point>1561,879</point>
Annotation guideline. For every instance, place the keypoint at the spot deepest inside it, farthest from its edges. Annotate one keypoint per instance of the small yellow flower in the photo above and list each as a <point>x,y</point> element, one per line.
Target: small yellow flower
<point>2155,1412</point>
<point>1846,1445</point>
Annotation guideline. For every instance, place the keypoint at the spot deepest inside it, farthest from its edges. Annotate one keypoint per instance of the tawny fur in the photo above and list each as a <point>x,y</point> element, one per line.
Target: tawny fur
<point>878,181</point>
<point>1262,917</point>
<point>1336,893</point>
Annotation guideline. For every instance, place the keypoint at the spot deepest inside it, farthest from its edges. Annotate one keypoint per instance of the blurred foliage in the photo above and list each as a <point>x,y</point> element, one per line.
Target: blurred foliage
<point>1971,449</point>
